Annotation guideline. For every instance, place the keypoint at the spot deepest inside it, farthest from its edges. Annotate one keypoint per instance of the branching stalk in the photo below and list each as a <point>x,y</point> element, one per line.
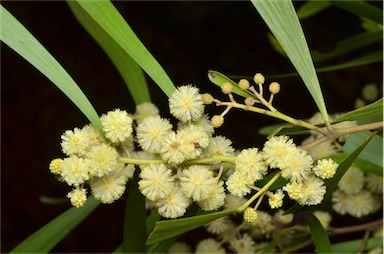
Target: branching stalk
<point>342,132</point>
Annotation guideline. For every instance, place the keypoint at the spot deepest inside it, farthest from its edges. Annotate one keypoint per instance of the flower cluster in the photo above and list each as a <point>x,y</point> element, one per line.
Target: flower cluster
<point>184,163</point>
<point>358,194</point>
<point>171,176</point>
<point>90,159</point>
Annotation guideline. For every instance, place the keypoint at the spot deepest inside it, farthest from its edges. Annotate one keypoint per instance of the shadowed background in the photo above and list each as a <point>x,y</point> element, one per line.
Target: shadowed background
<point>188,39</point>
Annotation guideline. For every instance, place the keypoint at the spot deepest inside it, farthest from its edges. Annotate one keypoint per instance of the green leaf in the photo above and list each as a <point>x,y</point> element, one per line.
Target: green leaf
<point>311,8</point>
<point>319,235</point>
<point>110,20</point>
<point>43,240</point>
<point>17,37</point>
<point>363,60</point>
<point>362,9</point>
<point>220,79</point>
<point>365,166</point>
<point>350,44</point>
<point>343,167</point>
<point>354,246</point>
<point>373,152</point>
<point>170,228</point>
<point>132,74</point>
<point>135,232</point>
<point>373,109</point>
<point>281,18</point>
<point>162,246</point>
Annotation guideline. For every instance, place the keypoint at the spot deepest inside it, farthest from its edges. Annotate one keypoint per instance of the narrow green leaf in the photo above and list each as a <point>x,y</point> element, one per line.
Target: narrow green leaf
<point>311,8</point>
<point>162,246</point>
<point>343,167</point>
<point>365,166</point>
<point>319,235</point>
<point>373,152</point>
<point>132,74</point>
<point>134,220</point>
<point>350,44</point>
<point>18,38</point>
<point>363,60</point>
<point>354,246</point>
<point>362,9</point>
<point>170,228</point>
<point>220,79</point>
<point>373,109</point>
<point>43,240</point>
<point>281,18</point>
<point>110,20</point>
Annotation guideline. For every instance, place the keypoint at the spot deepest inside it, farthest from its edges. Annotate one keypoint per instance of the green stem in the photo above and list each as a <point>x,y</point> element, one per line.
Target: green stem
<point>278,115</point>
<point>140,161</point>
<point>214,158</point>
<point>258,194</point>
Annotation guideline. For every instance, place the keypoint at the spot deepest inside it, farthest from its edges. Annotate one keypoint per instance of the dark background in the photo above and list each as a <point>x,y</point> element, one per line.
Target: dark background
<point>188,39</point>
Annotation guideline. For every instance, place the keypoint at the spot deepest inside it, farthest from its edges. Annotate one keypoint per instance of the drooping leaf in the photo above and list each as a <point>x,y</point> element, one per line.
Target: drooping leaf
<point>135,232</point>
<point>132,74</point>
<point>43,240</point>
<point>18,38</point>
<point>319,235</point>
<point>363,60</point>
<point>373,152</point>
<point>362,9</point>
<point>166,229</point>
<point>311,8</point>
<point>349,45</point>
<point>281,18</point>
<point>373,109</point>
<point>110,20</point>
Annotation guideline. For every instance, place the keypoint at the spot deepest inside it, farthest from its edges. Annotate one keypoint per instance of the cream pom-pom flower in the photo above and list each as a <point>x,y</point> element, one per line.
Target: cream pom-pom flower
<point>186,104</point>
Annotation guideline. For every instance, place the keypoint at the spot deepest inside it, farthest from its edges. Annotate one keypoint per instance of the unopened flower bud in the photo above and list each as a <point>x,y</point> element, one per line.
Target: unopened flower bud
<point>243,84</point>
<point>274,87</point>
<point>226,88</point>
<point>217,121</point>
<point>55,166</point>
<point>207,98</point>
<point>259,78</point>
<point>250,215</point>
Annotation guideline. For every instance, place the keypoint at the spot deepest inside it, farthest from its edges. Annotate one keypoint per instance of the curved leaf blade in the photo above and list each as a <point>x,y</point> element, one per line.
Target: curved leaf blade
<point>131,73</point>
<point>311,8</point>
<point>362,9</point>
<point>170,228</point>
<point>110,20</point>
<point>349,45</point>
<point>319,235</point>
<point>18,38</point>
<point>371,110</point>
<point>43,240</point>
<point>281,18</point>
